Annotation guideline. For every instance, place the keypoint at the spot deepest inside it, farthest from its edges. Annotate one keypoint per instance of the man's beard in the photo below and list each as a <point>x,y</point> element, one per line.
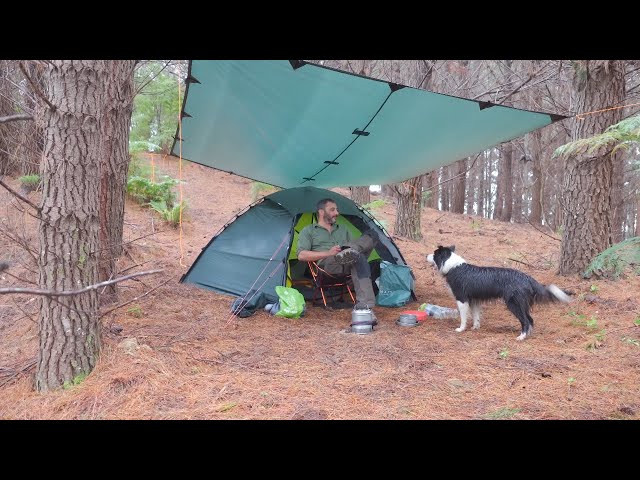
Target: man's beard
<point>329,219</point>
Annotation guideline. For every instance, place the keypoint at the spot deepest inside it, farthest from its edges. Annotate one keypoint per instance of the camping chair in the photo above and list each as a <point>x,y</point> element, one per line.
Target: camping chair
<point>333,285</point>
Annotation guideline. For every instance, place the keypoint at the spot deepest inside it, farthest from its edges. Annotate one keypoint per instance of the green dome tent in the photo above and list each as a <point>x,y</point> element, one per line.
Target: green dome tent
<point>256,249</point>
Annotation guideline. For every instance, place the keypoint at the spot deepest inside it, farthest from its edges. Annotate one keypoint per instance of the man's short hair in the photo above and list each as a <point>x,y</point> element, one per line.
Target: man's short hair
<point>323,203</point>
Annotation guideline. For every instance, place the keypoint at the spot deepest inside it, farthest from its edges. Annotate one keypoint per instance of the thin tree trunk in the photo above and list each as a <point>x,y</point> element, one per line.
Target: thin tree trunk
<point>617,196</point>
<point>360,195</point>
<point>444,189</point>
<point>637,233</point>
<point>588,180</point>
<point>113,166</point>
<point>430,184</point>
<point>70,336</point>
<point>481,184</point>
<point>518,175</point>
<point>459,184</point>
<point>534,151</point>
<point>507,209</point>
<point>499,201</point>
<point>471,187</point>
<point>489,184</point>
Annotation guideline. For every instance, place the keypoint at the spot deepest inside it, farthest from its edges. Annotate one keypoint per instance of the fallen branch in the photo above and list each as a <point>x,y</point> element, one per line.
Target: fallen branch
<point>68,293</point>
<point>544,233</point>
<point>235,362</point>
<point>24,199</point>
<point>14,372</point>
<point>519,261</point>
<point>15,118</point>
<point>135,298</point>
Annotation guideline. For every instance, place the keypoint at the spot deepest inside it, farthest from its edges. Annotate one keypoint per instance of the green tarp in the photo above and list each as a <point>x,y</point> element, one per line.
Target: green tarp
<point>290,123</point>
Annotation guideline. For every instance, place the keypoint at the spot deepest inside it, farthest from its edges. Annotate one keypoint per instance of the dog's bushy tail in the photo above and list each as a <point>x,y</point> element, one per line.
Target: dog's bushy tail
<point>552,293</point>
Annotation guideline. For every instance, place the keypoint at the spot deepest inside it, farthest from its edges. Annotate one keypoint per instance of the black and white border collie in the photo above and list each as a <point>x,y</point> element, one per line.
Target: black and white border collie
<point>472,284</point>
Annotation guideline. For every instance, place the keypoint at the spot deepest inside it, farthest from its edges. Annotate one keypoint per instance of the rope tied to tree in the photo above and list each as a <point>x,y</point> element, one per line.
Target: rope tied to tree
<point>581,116</point>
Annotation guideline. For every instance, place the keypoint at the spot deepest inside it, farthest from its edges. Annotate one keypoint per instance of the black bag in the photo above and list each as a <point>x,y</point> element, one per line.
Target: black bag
<point>246,306</point>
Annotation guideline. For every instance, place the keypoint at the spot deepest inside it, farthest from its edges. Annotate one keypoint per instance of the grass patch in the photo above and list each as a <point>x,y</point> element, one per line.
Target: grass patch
<point>502,413</point>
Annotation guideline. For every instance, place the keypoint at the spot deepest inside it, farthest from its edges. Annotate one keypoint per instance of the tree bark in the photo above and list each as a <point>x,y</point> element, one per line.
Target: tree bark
<point>459,185</point>
<point>507,209</point>
<point>499,200</point>
<point>430,184</point>
<point>114,164</point>
<point>587,185</point>
<point>637,233</point>
<point>617,196</point>
<point>518,174</point>
<point>472,182</point>
<point>70,336</point>
<point>536,186</point>
<point>408,209</point>
<point>481,184</point>
<point>444,189</point>
<point>360,195</point>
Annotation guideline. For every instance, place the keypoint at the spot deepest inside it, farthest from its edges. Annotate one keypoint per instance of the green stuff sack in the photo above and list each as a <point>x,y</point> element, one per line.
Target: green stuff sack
<point>292,304</point>
<point>395,285</point>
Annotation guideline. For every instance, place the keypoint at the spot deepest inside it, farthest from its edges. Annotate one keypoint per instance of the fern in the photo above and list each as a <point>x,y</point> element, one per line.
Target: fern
<point>613,261</point>
<point>168,214</point>
<point>622,135</point>
<point>145,191</point>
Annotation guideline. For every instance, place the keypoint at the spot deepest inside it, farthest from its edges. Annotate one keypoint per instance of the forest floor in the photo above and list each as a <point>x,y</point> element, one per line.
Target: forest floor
<point>177,354</point>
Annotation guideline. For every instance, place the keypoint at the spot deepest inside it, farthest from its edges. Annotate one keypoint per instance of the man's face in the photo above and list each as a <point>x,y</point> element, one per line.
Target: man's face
<point>330,213</point>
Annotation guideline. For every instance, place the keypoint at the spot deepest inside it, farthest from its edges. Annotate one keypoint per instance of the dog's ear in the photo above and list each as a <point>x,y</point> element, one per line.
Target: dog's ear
<point>452,248</point>
<point>440,247</point>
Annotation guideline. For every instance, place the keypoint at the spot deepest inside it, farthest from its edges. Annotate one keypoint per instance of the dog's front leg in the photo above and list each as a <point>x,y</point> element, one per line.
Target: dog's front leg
<point>463,308</point>
<point>475,311</point>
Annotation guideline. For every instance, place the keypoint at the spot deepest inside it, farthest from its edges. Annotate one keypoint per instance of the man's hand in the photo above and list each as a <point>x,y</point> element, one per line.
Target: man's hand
<point>310,256</point>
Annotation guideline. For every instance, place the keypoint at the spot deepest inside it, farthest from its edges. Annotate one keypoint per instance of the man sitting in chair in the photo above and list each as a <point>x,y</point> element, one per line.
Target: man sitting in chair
<point>324,242</point>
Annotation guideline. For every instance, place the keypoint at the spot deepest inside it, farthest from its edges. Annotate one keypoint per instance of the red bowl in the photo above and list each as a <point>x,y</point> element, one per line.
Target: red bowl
<point>420,315</point>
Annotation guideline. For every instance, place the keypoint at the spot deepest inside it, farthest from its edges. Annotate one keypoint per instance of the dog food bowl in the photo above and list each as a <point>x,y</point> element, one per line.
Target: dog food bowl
<point>421,316</point>
<point>362,327</point>
<point>407,320</point>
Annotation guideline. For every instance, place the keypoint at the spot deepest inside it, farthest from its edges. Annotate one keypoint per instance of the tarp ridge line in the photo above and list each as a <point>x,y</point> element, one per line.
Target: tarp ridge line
<point>306,179</point>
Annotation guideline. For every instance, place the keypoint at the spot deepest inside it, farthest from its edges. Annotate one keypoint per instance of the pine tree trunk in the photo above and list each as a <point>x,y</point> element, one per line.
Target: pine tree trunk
<point>488,185</point>
<point>507,209</point>
<point>459,185</point>
<point>114,165</point>
<point>481,184</point>
<point>471,187</point>
<point>444,189</point>
<point>499,201</point>
<point>430,184</point>
<point>518,175</point>
<point>588,177</point>
<point>637,233</point>
<point>617,196</point>
<point>70,336</point>
<point>533,149</point>
<point>408,209</point>
<point>360,195</point>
